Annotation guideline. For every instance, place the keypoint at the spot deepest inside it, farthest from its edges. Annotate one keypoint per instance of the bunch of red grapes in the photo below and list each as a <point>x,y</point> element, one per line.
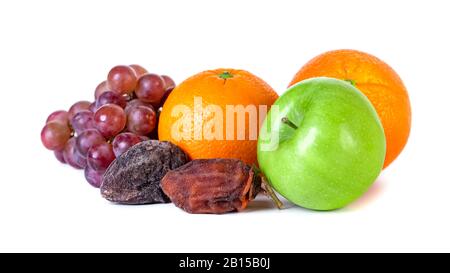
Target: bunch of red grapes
<point>125,112</point>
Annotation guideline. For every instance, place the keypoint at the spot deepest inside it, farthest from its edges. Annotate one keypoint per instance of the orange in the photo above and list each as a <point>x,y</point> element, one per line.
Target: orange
<point>378,81</point>
<point>226,123</point>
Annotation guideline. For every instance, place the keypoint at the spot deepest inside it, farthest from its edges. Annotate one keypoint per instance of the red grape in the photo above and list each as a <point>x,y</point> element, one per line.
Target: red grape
<point>92,107</point>
<point>122,79</point>
<point>150,88</point>
<point>82,121</point>
<point>128,97</point>
<point>154,133</point>
<point>141,120</point>
<point>102,88</point>
<point>87,139</point>
<point>59,154</point>
<point>60,116</point>
<point>93,177</point>
<point>110,97</point>
<point>100,156</point>
<point>124,113</point>
<point>139,70</point>
<point>54,135</point>
<point>136,102</point>
<point>168,82</point>
<point>71,155</point>
<point>81,161</point>
<point>110,120</point>
<point>77,107</point>
<point>122,142</point>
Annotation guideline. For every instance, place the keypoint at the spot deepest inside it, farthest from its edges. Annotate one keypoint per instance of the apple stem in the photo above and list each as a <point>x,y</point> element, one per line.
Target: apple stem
<point>286,121</point>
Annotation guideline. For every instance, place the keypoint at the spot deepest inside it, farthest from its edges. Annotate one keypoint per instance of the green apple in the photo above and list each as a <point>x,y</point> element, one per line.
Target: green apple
<point>322,144</point>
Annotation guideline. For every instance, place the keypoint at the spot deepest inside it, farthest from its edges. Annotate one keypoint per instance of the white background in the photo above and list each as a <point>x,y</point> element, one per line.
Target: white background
<point>53,53</point>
